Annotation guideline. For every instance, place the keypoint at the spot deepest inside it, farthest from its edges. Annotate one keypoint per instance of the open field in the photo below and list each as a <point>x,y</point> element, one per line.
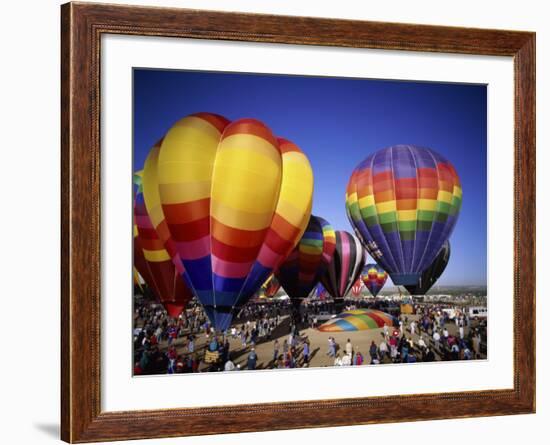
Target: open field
<point>361,341</point>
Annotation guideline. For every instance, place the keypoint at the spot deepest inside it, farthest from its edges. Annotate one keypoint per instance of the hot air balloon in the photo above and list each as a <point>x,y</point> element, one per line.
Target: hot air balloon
<point>433,272</point>
<point>359,320</point>
<point>268,290</point>
<point>320,293</point>
<point>155,265</point>
<point>233,200</point>
<point>403,202</point>
<point>271,287</point>
<point>345,267</point>
<point>356,288</point>
<point>307,263</point>
<point>374,278</point>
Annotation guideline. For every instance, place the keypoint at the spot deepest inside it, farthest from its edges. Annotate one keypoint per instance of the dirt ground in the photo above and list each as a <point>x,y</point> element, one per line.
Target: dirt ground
<point>360,340</point>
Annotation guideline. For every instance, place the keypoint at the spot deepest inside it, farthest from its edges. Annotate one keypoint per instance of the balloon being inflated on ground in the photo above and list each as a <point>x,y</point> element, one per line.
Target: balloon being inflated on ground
<point>233,199</point>
<point>308,261</point>
<point>403,202</point>
<point>359,320</point>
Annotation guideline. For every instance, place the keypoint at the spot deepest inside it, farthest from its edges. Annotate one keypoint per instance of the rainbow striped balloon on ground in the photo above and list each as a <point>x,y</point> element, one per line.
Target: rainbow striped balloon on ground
<point>403,202</point>
<point>235,200</point>
<point>374,278</point>
<point>307,263</point>
<point>345,267</point>
<point>359,320</point>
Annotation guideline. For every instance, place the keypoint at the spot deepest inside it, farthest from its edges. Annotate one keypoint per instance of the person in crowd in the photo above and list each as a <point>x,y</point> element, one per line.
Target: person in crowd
<point>358,358</point>
<point>305,352</point>
<point>229,365</point>
<point>383,349</point>
<point>331,347</point>
<point>404,351</point>
<point>349,347</point>
<point>275,350</point>
<point>346,359</point>
<point>252,359</point>
<point>421,342</point>
<point>213,346</point>
<point>373,351</point>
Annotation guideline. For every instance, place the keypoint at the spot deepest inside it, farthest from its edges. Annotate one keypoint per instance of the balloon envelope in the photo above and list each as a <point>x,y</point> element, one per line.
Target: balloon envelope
<point>359,320</point>
<point>356,288</point>
<point>345,267</point>
<point>269,288</point>
<point>403,202</point>
<point>154,264</point>
<point>433,272</point>
<point>374,278</point>
<point>235,201</point>
<point>308,261</point>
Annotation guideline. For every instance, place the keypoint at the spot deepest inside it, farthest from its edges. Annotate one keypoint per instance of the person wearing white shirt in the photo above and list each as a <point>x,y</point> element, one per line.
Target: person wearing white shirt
<point>421,342</point>
<point>229,366</point>
<point>436,338</point>
<point>383,349</point>
<point>346,360</point>
<point>349,347</point>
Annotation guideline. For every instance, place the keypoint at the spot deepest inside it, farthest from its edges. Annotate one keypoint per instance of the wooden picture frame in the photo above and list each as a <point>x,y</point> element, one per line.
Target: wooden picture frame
<point>82,26</point>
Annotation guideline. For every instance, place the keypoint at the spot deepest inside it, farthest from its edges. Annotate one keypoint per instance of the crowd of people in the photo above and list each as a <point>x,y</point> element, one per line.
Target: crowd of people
<point>166,345</point>
<point>254,324</point>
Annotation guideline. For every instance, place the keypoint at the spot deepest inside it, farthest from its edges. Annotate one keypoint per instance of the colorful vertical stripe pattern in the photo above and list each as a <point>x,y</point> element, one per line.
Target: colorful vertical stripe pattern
<point>374,278</point>
<point>235,201</point>
<point>154,263</point>
<point>433,272</point>
<point>308,261</point>
<point>345,267</point>
<point>271,286</point>
<point>359,320</point>
<point>403,202</point>
<point>356,288</point>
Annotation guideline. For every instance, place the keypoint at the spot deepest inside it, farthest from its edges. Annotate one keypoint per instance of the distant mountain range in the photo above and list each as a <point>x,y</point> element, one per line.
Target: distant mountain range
<point>442,289</point>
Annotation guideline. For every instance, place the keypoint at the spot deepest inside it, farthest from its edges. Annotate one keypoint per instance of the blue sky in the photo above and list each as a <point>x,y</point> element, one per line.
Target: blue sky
<point>338,122</point>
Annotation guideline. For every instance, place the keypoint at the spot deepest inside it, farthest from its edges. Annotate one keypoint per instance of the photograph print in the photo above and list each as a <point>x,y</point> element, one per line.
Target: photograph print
<point>285,221</point>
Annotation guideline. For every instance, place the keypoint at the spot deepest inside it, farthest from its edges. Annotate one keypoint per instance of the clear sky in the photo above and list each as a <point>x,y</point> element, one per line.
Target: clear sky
<point>338,122</point>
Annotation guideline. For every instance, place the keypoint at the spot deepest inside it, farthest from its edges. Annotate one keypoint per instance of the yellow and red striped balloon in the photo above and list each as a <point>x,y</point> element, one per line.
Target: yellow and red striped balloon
<point>230,200</point>
<point>153,262</point>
